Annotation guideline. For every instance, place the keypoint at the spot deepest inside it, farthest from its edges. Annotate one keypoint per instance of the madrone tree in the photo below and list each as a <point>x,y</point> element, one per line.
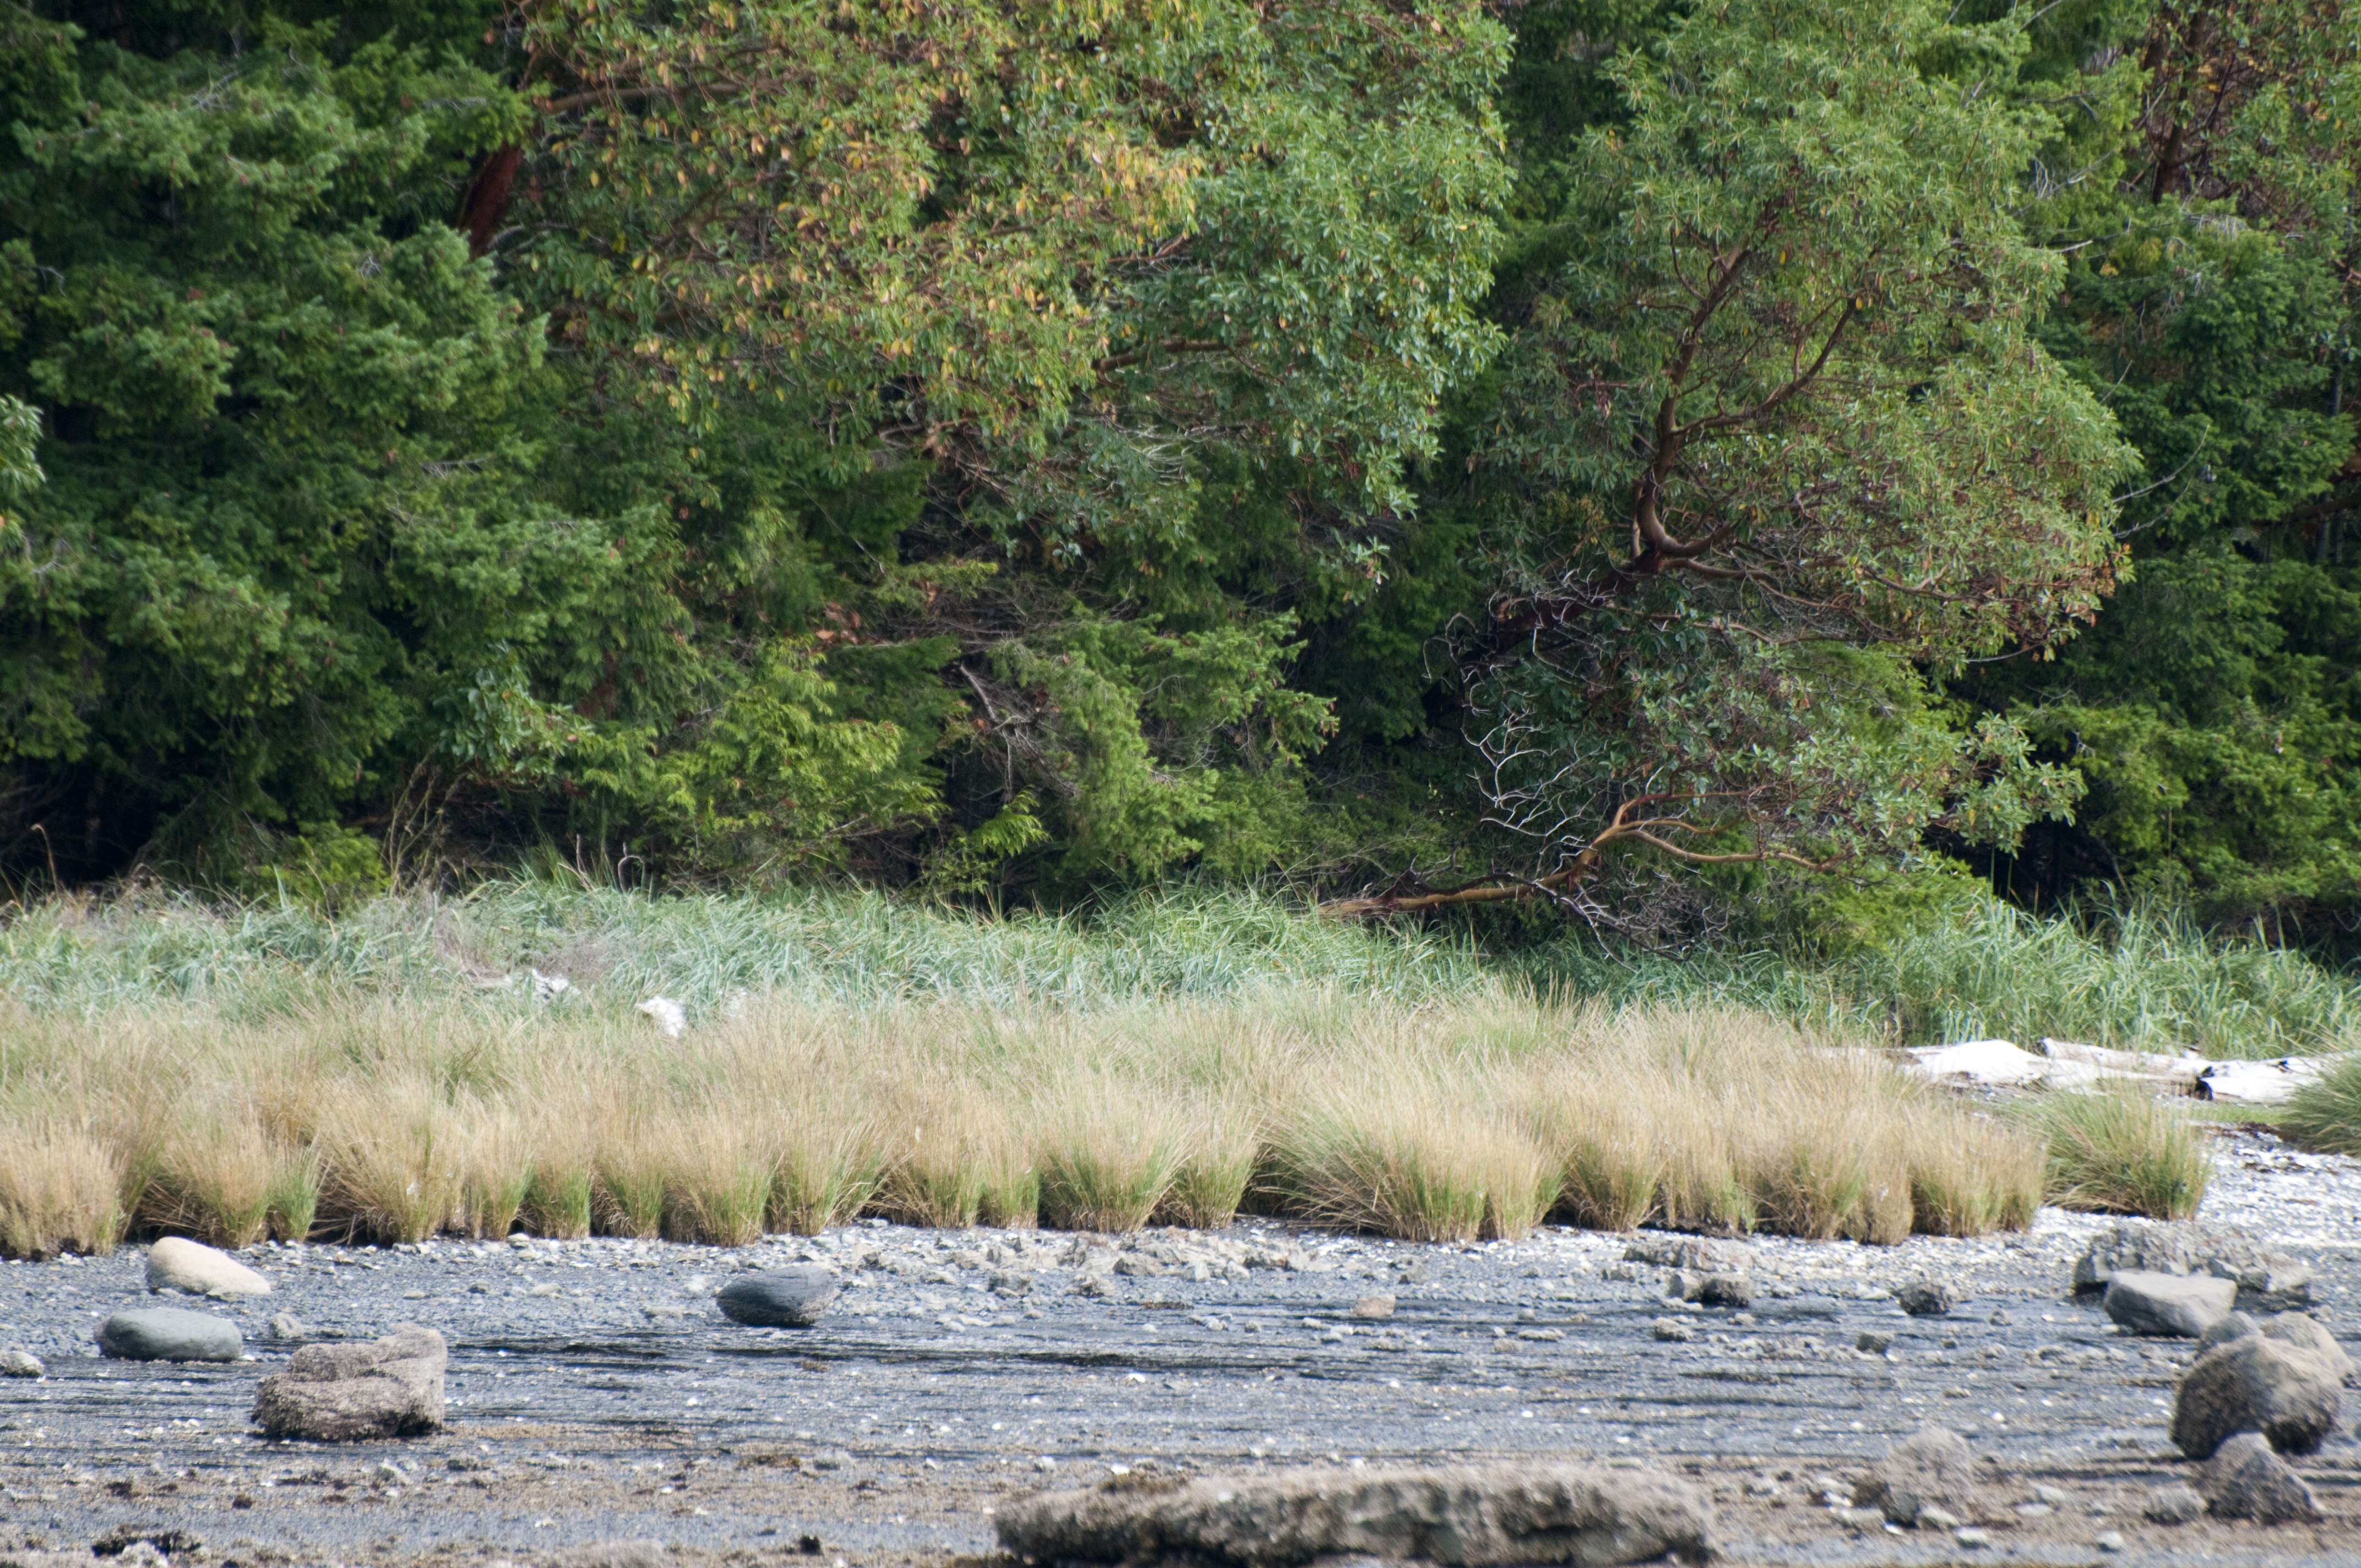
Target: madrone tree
<point>1773,437</point>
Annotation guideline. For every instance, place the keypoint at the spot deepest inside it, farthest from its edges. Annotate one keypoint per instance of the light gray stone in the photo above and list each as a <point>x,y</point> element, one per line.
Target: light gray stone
<point>2245,1480</point>
<point>169,1334</point>
<point>1672,1331</point>
<point>345,1393</point>
<point>791,1297</point>
<point>1929,1468</point>
<point>21,1363</point>
<point>176,1263</point>
<point>2181,1306</point>
<point>1374,1307</point>
<point>1467,1517</point>
<point>1699,1254</point>
<point>2259,1382</point>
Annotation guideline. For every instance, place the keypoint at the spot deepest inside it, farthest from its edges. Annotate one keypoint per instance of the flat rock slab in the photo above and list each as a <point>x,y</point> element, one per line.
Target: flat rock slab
<point>2181,1306</point>
<point>1469,1517</point>
<point>177,1263</point>
<point>778,1298</point>
<point>346,1393</point>
<point>169,1334</point>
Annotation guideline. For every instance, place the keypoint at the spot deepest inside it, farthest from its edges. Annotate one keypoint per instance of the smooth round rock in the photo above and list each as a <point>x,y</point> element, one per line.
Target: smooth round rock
<point>790,1298</point>
<point>21,1363</point>
<point>169,1333</point>
<point>176,1263</point>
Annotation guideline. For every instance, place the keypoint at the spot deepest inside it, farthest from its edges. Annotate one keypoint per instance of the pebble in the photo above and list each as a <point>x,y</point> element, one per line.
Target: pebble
<point>21,1363</point>
<point>1969,1535</point>
<point>1374,1307</point>
<point>1672,1331</point>
<point>1874,1344</point>
<point>2108,1540</point>
<point>1924,1298</point>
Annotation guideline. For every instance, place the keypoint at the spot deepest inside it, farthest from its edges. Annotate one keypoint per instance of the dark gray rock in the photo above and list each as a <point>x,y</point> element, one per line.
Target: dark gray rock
<point>1924,1298</point>
<point>1471,1518</point>
<point>2237,1325</point>
<point>345,1393</point>
<point>1930,1469</point>
<point>2259,1382</point>
<point>169,1334</point>
<point>2182,1306</point>
<point>1725,1289</point>
<point>2177,1503</point>
<point>791,1297</point>
<point>2245,1480</point>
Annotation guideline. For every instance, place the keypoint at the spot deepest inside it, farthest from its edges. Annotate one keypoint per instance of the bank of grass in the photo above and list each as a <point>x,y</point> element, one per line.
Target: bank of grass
<point>167,1065</point>
<point>383,1123</point>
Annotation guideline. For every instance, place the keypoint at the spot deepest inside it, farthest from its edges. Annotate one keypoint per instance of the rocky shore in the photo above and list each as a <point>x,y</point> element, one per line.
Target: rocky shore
<point>596,1393</point>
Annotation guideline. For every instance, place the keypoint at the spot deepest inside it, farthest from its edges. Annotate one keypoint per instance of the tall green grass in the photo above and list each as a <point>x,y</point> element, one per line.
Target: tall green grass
<point>2129,978</point>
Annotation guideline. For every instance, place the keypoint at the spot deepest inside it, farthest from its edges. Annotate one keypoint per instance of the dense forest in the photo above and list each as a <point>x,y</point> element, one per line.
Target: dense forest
<point>1659,463</point>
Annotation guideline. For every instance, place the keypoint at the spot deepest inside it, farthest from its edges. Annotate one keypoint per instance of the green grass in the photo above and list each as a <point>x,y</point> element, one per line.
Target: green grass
<point>2326,1115</point>
<point>2130,979</point>
<point>2122,1152</point>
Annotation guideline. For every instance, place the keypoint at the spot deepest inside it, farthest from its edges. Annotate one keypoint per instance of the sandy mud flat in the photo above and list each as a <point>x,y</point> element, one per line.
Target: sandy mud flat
<point>595,1395</point>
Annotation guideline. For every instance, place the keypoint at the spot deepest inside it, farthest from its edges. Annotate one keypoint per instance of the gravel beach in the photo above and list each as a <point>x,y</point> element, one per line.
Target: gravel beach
<point>597,1395</point>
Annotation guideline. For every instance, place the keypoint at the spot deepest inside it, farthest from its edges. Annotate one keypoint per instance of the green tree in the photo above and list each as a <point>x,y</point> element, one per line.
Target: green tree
<point>1778,427</point>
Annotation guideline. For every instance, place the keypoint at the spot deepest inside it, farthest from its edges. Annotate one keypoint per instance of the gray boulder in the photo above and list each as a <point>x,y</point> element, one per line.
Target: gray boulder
<point>2245,1480</point>
<point>1931,1469</point>
<point>2259,1382</point>
<point>791,1297</point>
<point>2237,1325</point>
<point>16,1363</point>
<point>169,1334</point>
<point>345,1393</point>
<point>2265,1278</point>
<point>2181,1305</point>
<point>1924,1298</point>
<point>1541,1512</point>
<point>2177,1503</point>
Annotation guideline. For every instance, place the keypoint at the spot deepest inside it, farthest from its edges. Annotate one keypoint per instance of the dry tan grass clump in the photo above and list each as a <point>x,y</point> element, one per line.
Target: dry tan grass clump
<point>59,1190</point>
<point>1442,1124</point>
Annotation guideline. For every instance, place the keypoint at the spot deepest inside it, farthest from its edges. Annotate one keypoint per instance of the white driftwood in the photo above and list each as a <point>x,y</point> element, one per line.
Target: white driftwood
<point>2181,1070</point>
<point>2257,1082</point>
<point>1980,1061</point>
